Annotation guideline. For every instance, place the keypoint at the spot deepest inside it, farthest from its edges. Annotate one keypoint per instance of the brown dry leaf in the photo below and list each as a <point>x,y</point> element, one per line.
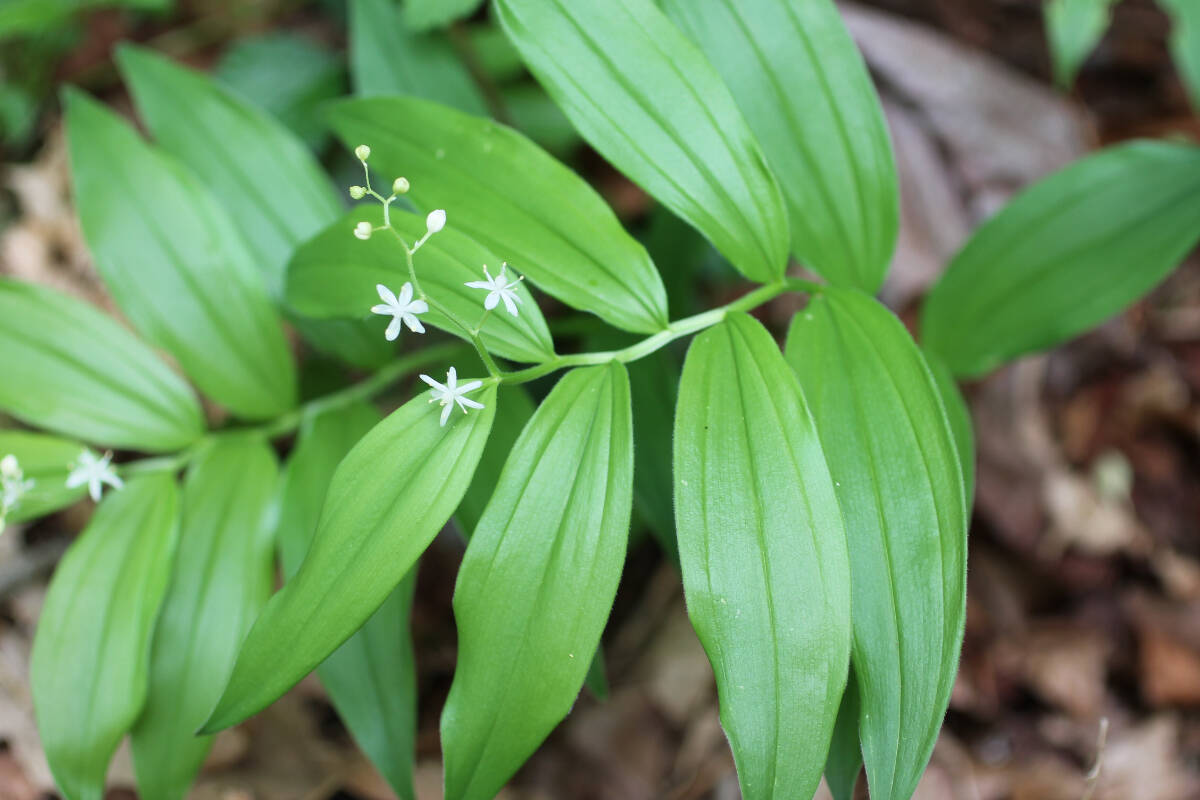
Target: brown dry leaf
<point>1145,763</point>
<point>1064,663</point>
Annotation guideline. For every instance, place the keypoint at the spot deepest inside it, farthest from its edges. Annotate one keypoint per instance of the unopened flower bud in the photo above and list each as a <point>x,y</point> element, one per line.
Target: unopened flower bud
<point>362,152</point>
<point>363,230</point>
<point>9,467</point>
<point>358,192</point>
<point>400,186</point>
<point>435,221</point>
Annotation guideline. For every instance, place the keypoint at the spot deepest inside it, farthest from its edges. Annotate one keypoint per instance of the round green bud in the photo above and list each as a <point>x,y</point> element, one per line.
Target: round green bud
<point>358,192</point>
<point>400,186</point>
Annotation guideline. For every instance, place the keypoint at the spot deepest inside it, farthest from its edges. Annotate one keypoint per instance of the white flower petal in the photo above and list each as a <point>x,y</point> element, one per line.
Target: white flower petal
<point>382,308</point>
<point>418,307</point>
<point>446,413</point>
<point>492,299</point>
<point>479,285</point>
<point>406,293</point>
<point>385,294</point>
<point>393,329</point>
<point>466,401</point>
<point>509,304</point>
<point>413,323</point>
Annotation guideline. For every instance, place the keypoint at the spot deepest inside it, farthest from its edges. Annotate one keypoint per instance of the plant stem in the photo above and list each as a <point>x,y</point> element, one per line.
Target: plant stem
<point>676,330</point>
<point>290,421</point>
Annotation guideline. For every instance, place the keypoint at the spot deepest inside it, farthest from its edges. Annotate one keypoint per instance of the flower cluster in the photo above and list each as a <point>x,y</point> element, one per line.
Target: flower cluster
<point>13,486</point>
<point>94,472</point>
<point>405,306</point>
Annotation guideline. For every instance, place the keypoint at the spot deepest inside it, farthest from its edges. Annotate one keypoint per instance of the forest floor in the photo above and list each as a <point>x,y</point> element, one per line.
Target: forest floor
<point>1084,590</point>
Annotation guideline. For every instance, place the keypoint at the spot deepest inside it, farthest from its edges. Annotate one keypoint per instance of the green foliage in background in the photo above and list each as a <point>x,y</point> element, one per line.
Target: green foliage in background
<point>815,496</point>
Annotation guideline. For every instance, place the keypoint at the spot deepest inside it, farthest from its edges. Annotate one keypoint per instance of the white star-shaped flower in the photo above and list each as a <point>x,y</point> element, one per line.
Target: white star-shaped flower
<point>498,288</point>
<point>13,485</point>
<point>450,393</point>
<point>400,309</point>
<point>94,471</point>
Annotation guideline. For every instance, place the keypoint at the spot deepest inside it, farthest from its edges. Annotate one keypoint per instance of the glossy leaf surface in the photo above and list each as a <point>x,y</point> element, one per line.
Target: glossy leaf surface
<point>389,497</point>
<point>175,264</point>
<point>520,202</point>
<point>763,552</point>
<point>335,275</point>
<point>92,648</point>
<point>1066,254</point>
<point>274,190</point>
<point>72,369</point>
<point>896,471</point>
<point>223,573</point>
<point>647,99</point>
<point>538,580</point>
<point>371,678</point>
<point>803,87</point>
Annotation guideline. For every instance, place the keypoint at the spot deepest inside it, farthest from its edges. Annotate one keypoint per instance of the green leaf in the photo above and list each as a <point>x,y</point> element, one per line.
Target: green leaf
<point>1074,27</point>
<point>71,369</point>
<point>959,416</point>
<point>511,196</point>
<point>92,647</point>
<point>538,580</point>
<point>514,407</point>
<point>389,497</point>
<point>647,100</point>
<point>1185,43</point>
<point>1066,254</point>
<point>223,573</point>
<point>845,754</point>
<point>386,58</point>
<point>806,93</point>
<point>371,678</point>
<point>287,75</point>
<point>534,114</point>
<point>335,274</point>
<point>175,264</point>
<point>763,552</point>
<point>421,15</point>
<point>275,192</point>
<point>653,384</point>
<point>46,461</point>
<point>894,464</point>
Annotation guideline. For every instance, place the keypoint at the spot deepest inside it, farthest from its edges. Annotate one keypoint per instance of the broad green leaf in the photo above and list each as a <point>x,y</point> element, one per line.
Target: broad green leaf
<point>371,678</point>
<point>275,192</point>
<point>514,407</point>
<point>335,275</point>
<point>893,459</point>
<point>647,100</point>
<point>69,368</point>
<point>389,497</point>
<point>223,573</point>
<point>845,754</point>
<point>494,53</point>
<point>273,188</point>
<point>421,15</point>
<point>511,196</point>
<point>1066,254</point>
<point>175,264</point>
<point>287,75</point>
<point>763,552</point>
<point>806,93</point>
<point>386,58</point>
<point>959,416</point>
<point>538,580</point>
<point>92,647</point>
<point>1185,42</point>
<point>46,462</point>
<point>1074,27</point>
